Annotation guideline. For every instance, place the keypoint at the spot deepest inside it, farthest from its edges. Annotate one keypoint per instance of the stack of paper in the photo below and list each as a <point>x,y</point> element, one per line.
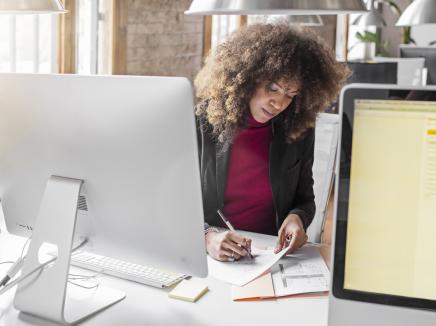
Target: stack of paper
<point>259,289</point>
<point>245,270</point>
<point>304,272</point>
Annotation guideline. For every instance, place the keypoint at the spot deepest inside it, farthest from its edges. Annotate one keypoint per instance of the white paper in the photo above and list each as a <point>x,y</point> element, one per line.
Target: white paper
<point>302,272</point>
<point>245,270</point>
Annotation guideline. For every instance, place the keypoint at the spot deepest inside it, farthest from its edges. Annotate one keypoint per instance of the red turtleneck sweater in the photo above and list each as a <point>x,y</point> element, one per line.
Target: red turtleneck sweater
<point>248,199</point>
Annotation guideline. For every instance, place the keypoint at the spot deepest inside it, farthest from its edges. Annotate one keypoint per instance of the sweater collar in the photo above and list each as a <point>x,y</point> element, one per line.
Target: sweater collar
<point>252,123</point>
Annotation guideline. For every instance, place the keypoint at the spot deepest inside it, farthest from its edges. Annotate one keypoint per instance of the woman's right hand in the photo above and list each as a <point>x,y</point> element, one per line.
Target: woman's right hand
<point>227,246</point>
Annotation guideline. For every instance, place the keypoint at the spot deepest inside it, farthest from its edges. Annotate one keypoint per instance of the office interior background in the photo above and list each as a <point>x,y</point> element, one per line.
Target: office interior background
<point>157,38</point>
<point>139,37</point>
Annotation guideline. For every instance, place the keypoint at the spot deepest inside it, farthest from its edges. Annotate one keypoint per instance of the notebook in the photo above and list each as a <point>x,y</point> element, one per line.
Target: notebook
<point>263,287</point>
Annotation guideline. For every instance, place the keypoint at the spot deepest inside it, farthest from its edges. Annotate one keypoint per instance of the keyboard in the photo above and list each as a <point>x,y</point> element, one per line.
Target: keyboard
<point>125,270</point>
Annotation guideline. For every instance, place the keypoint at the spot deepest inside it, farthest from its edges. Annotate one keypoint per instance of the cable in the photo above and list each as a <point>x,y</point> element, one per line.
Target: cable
<point>12,271</point>
<point>24,247</point>
<point>40,267</point>
<point>83,276</point>
<point>84,286</point>
<point>86,278</point>
<point>16,266</point>
<point>7,262</point>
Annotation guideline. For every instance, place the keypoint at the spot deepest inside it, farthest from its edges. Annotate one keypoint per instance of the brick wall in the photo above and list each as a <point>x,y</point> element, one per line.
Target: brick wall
<point>161,40</point>
<point>327,32</point>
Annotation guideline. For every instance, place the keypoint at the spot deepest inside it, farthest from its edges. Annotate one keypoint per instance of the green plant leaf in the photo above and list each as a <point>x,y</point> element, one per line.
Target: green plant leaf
<point>367,37</point>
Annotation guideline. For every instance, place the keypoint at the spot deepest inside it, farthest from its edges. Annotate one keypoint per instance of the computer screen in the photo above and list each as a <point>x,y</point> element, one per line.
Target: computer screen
<point>392,200</point>
<point>132,140</point>
<point>385,204</point>
<point>427,52</point>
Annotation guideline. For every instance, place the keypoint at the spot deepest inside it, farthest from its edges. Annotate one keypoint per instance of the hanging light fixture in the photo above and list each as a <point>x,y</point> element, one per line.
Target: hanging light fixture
<point>419,12</point>
<point>305,20</point>
<point>275,7</point>
<point>370,18</point>
<point>31,6</point>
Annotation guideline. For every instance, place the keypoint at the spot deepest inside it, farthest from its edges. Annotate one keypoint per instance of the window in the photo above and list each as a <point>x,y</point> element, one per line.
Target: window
<point>93,32</point>
<point>28,43</point>
<point>222,27</point>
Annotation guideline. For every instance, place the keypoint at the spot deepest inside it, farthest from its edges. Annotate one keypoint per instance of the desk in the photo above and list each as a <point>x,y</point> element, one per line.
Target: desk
<point>146,305</point>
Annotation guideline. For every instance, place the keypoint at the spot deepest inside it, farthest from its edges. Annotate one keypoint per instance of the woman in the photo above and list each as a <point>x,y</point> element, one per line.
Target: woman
<point>258,97</point>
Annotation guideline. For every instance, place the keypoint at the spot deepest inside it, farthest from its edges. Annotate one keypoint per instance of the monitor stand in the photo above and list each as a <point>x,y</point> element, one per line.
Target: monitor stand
<point>44,293</point>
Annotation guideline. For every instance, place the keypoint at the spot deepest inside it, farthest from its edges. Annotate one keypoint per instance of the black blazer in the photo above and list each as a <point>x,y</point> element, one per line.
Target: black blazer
<point>290,172</point>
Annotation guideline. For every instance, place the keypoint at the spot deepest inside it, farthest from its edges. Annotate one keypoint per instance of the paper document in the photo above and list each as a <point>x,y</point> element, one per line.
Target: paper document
<point>244,270</point>
<point>302,272</point>
<point>260,288</point>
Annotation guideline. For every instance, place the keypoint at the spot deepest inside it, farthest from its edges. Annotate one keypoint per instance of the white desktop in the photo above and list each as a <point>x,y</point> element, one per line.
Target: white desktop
<point>116,153</point>
<point>147,305</point>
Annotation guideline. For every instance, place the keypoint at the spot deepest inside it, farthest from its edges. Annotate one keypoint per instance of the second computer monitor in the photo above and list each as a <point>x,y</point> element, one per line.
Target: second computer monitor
<point>427,52</point>
<point>385,203</point>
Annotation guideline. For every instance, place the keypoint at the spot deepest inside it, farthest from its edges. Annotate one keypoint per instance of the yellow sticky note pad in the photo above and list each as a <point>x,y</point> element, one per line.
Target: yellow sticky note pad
<point>188,290</point>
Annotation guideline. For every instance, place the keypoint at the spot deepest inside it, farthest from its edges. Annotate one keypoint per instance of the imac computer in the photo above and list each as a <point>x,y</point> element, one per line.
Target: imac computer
<point>384,267</point>
<point>110,158</point>
<point>426,52</point>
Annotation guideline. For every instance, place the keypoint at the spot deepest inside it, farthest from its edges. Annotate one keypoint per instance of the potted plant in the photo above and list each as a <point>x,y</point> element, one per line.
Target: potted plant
<point>372,40</point>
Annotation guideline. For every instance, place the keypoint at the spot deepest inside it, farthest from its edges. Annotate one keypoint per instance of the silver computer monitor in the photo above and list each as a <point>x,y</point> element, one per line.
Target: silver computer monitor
<point>131,139</point>
<point>426,52</point>
<point>384,270</point>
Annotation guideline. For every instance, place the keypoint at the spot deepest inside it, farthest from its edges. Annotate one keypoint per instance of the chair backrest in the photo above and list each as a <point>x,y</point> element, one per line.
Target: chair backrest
<point>326,143</point>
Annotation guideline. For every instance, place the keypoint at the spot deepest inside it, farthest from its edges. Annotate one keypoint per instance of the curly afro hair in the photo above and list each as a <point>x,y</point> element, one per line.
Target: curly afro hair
<point>262,53</point>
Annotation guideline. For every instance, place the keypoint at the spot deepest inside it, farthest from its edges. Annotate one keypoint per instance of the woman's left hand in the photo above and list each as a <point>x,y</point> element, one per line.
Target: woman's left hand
<point>291,233</point>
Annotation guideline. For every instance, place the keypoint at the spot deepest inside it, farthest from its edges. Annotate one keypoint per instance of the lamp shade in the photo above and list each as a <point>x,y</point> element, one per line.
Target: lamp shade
<point>275,7</point>
<point>372,18</point>
<point>306,20</point>
<point>31,6</point>
<point>419,12</point>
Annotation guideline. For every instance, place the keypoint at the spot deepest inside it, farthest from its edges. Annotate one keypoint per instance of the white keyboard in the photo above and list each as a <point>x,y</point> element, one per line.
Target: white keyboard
<point>125,270</point>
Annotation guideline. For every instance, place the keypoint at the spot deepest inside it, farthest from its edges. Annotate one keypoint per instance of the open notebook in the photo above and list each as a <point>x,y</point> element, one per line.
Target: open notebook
<point>304,273</point>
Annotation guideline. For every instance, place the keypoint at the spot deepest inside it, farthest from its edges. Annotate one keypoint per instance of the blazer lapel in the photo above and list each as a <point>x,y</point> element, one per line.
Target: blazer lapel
<point>280,153</point>
<point>222,158</point>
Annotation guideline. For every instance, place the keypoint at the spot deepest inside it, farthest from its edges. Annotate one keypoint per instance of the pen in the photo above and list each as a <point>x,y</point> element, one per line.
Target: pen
<point>231,228</point>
